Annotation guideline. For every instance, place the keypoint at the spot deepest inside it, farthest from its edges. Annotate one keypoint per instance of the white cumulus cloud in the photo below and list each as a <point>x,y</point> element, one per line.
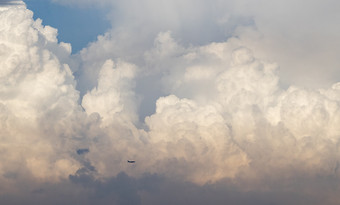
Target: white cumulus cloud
<point>208,113</point>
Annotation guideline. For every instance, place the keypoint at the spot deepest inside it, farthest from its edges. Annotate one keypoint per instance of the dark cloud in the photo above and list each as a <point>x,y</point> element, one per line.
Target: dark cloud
<point>83,151</point>
<point>121,189</point>
<point>152,189</point>
<point>156,189</point>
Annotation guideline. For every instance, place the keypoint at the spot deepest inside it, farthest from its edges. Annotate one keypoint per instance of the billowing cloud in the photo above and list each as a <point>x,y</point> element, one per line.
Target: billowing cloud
<point>206,121</point>
<point>301,36</point>
<point>38,100</point>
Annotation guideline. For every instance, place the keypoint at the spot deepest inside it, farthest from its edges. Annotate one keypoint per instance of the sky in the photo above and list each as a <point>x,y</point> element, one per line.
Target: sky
<point>78,26</point>
<point>217,102</point>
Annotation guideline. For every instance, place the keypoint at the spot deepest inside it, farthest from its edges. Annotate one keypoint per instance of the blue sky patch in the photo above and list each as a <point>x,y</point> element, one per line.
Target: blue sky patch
<point>77,26</point>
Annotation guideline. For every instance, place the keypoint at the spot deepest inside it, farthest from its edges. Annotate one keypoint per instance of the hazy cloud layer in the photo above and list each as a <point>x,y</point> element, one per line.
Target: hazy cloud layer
<point>205,119</point>
<point>10,2</point>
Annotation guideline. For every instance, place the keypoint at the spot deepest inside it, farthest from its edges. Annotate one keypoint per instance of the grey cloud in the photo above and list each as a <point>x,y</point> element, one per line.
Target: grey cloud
<point>152,189</point>
<point>10,2</point>
<point>83,151</point>
<point>121,189</point>
<point>155,189</point>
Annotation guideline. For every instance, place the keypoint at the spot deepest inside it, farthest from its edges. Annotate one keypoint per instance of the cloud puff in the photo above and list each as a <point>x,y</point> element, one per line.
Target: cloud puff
<point>301,48</point>
<point>37,99</point>
<point>113,94</point>
<point>196,139</point>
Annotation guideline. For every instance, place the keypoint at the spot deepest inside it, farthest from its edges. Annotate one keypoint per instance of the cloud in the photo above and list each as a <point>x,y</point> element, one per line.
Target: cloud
<point>156,189</point>
<point>226,118</point>
<point>37,93</point>
<point>10,2</point>
<point>221,128</point>
<point>82,151</point>
<point>113,92</point>
<point>303,47</point>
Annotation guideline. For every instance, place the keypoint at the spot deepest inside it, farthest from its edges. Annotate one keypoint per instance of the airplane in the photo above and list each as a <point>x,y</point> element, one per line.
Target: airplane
<point>131,161</point>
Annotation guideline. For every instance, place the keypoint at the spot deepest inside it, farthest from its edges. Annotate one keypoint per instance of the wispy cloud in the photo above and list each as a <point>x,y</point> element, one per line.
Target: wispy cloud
<point>10,2</point>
